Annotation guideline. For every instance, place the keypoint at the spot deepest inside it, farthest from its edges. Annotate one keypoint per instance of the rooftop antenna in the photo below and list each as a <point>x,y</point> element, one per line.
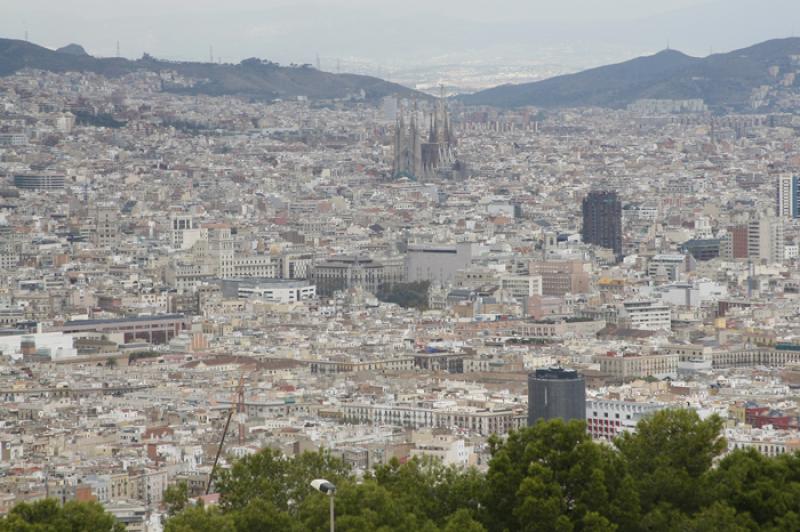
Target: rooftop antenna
<point>118,54</point>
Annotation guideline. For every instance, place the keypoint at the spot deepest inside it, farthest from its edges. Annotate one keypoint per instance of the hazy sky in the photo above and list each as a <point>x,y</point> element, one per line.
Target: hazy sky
<point>395,32</point>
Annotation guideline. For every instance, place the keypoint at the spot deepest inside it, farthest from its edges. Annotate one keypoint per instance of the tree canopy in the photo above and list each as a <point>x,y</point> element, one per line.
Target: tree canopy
<point>550,476</point>
<point>48,515</point>
<point>667,476</point>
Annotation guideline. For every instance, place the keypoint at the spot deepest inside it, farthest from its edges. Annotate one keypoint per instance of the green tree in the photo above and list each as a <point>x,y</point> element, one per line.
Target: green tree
<point>462,521</point>
<point>175,497</point>
<point>263,516</point>
<point>720,516</point>
<point>363,507</point>
<point>766,489</point>
<point>258,516</point>
<point>199,519</point>
<point>431,488</point>
<point>269,475</point>
<point>48,515</point>
<point>669,455</point>
<point>551,476</point>
<point>665,518</point>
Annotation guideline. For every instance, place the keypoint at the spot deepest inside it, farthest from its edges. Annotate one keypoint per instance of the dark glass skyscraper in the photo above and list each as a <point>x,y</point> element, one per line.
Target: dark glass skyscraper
<point>602,220</point>
<point>556,393</point>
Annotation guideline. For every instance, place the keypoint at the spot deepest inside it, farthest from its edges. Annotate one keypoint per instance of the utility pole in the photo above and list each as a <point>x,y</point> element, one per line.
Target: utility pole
<point>332,517</point>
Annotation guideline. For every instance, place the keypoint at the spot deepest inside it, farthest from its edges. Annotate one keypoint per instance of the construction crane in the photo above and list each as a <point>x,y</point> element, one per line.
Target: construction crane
<point>236,407</point>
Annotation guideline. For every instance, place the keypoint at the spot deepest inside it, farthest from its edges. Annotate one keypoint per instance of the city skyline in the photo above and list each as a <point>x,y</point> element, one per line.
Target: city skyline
<point>262,294</point>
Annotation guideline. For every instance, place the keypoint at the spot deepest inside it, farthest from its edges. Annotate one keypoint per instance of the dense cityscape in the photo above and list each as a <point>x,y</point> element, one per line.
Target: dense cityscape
<point>193,282</point>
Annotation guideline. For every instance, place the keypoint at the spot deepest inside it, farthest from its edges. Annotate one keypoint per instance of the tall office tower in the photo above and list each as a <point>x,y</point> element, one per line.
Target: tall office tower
<point>221,249</point>
<point>765,238</point>
<point>734,244</point>
<point>602,220</point>
<point>788,197</point>
<point>106,225</point>
<point>556,393</point>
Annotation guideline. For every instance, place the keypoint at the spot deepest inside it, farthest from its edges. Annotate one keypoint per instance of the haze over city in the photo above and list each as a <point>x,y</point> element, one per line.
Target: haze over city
<point>387,38</point>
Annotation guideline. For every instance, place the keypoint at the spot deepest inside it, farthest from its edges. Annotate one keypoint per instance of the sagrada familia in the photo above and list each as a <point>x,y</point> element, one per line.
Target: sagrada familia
<point>418,157</point>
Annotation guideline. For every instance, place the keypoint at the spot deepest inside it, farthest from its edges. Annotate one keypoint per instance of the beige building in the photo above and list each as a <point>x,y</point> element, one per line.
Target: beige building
<point>561,277</point>
<point>624,366</point>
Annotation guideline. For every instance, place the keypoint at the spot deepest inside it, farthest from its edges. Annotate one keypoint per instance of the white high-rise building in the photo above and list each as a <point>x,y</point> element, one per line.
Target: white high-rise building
<point>765,238</point>
<point>221,249</point>
<point>788,197</point>
<point>185,232</point>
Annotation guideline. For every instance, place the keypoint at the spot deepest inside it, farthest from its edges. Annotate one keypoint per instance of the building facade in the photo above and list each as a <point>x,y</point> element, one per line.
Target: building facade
<point>632,366</point>
<point>607,419</point>
<point>602,221</point>
<point>788,197</point>
<point>343,272</point>
<point>556,393</point>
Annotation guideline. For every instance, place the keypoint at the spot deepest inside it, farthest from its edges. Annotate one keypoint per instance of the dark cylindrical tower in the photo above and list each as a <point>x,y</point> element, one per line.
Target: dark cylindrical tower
<point>556,393</point>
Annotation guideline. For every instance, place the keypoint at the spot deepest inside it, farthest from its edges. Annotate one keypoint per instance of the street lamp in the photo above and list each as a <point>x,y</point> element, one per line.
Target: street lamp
<point>323,486</point>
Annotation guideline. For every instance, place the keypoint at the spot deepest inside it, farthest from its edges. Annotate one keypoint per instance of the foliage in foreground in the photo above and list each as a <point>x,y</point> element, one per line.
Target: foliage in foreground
<point>48,515</point>
<point>550,477</point>
<point>665,477</point>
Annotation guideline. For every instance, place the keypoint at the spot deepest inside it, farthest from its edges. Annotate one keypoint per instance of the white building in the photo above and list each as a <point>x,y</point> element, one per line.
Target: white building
<point>646,315</point>
<point>57,345</point>
<point>766,440</point>
<point>607,419</point>
<point>788,197</point>
<point>438,263</point>
<point>672,265</point>
<point>522,286</point>
<point>765,238</point>
<point>185,232</point>
<point>442,445</point>
<point>692,294</point>
<point>271,290</point>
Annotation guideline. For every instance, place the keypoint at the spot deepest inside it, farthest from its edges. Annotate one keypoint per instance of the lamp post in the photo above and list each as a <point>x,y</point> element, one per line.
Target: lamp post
<point>323,486</point>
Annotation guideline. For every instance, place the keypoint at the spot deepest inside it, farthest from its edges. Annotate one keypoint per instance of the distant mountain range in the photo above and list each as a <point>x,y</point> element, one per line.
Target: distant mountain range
<point>724,81</point>
<point>253,77</point>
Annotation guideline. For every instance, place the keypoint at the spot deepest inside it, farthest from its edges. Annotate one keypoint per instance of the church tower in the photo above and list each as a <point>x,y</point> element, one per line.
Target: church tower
<point>419,155</point>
